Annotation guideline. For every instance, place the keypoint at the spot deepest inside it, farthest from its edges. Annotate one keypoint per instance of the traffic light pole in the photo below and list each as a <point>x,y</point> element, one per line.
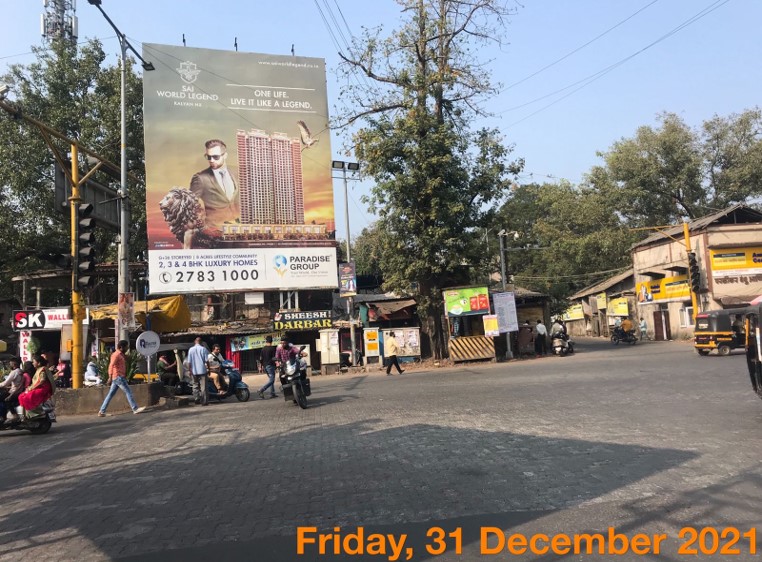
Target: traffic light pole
<point>694,296</point>
<point>76,304</point>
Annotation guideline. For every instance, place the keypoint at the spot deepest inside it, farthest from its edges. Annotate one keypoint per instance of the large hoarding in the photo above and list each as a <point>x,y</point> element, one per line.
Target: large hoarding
<point>668,289</point>
<point>238,172</point>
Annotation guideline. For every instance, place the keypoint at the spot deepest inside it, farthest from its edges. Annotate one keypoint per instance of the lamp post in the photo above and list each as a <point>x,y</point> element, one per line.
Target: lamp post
<point>502,234</point>
<point>344,166</point>
<point>123,273</point>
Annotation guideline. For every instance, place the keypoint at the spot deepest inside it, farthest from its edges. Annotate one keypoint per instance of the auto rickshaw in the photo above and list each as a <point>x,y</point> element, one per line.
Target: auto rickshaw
<point>722,330</point>
<point>754,348</point>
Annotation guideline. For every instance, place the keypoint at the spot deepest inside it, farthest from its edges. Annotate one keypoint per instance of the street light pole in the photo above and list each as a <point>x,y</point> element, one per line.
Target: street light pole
<point>343,166</point>
<point>123,269</point>
<point>502,234</point>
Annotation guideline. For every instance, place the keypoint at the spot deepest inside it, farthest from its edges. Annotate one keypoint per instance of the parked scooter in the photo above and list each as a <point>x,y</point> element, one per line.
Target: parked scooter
<point>295,384</point>
<point>562,344</point>
<point>619,335</point>
<point>235,384</point>
<point>37,421</point>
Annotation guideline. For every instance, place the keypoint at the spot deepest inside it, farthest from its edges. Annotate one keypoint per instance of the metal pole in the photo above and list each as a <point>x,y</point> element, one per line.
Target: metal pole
<point>350,300</point>
<point>508,351</point>
<point>694,297</point>
<point>76,308</point>
<point>124,209</point>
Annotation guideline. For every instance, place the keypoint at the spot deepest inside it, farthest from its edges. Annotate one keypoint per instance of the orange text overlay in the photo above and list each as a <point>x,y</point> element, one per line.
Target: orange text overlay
<point>494,541</point>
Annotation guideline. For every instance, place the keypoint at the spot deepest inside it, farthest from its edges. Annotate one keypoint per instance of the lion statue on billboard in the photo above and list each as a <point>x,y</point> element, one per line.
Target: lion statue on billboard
<point>185,215</point>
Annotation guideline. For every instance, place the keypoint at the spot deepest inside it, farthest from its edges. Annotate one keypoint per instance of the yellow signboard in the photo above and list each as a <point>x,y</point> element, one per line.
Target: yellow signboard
<point>664,290</point>
<point>601,300</point>
<point>730,262</point>
<point>574,312</point>
<point>618,307</point>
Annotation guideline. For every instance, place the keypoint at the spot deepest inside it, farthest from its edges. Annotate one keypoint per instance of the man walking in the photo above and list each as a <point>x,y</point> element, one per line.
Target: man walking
<point>391,350</point>
<point>117,374</point>
<point>540,344</point>
<point>267,359</point>
<point>197,358</point>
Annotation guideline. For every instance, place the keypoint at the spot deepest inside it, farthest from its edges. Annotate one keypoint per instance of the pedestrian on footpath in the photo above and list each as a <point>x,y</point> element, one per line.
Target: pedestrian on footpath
<point>643,329</point>
<point>267,360</point>
<point>117,375</point>
<point>391,349</point>
<point>197,358</point>
<point>540,344</point>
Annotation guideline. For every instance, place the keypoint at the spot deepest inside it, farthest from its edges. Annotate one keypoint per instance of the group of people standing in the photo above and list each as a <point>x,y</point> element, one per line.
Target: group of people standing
<point>539,336</point>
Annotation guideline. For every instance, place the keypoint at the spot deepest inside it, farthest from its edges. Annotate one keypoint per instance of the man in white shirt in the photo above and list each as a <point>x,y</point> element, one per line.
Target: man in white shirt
<point>540,340</point>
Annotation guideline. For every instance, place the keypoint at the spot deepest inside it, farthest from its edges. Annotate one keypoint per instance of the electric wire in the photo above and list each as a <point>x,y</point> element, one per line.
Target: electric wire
<point>597,75</point>
<point>593,40</point>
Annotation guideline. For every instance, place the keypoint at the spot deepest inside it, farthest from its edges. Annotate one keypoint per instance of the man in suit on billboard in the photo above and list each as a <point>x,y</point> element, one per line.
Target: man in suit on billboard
<point>216,186</point>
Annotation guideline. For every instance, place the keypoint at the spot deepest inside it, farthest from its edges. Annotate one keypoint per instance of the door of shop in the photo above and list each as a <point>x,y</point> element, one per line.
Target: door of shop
<point>661,325</point>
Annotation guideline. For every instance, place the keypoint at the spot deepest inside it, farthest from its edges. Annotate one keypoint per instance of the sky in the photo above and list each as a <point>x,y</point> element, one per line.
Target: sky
<point>577,75</point>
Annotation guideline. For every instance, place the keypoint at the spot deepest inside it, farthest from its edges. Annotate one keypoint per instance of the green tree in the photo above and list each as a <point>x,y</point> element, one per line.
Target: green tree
<point>73,91</point>
<point>567,235</point>
<point>436,181</point>
<point>669,173</point>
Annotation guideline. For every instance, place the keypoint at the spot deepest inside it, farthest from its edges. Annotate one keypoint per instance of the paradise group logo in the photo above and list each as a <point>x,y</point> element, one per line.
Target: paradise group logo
<point>281,264</point>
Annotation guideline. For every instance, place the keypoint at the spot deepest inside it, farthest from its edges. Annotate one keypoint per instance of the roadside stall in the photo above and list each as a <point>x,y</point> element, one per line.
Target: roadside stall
<point>465,307</point>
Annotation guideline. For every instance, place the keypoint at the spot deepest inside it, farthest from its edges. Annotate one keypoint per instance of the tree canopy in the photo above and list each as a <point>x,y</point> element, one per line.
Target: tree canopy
<point>73,91</point>
<point>435,179</point>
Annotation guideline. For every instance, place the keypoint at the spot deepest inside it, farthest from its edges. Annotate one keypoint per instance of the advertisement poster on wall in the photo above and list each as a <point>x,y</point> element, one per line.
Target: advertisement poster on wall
<point>668,289</point>
<point>574,312</point>
<point>466,301</point>
<point>737,272</point>
<point>619,307</point>
<point>238,172</point>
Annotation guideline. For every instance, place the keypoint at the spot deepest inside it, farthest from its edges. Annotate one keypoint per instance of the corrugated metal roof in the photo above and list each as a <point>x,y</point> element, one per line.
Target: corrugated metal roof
<point>603,285</point>
<point>701,223</point>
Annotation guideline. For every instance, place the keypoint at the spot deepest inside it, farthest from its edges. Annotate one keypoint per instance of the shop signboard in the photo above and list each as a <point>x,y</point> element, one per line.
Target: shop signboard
<point>737,272</point>
<point>668,289</point>
<point>466,301</point>
<point>239,194</point>
<point>619,307</point>
<point>311,320</point>
<point>253,341</point>
<point>40,319</point>
<point>601,301</point>
<point>574,312</point>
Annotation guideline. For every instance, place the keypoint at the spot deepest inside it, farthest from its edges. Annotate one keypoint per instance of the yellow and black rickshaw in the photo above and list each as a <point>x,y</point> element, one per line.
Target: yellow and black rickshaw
<point>722,330</point>
<point>754,348</point>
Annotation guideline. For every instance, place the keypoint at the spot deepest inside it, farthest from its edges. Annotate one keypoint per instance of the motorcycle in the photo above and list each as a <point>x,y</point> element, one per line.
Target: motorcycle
<point>235,384</point>
<point>562,344</point>
<point>619,335</point>
<point>294,382</point>
<point>36,421</point>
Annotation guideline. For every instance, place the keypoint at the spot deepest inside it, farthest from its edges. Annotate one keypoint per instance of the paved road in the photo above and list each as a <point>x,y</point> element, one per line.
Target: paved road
<point>645,439</point>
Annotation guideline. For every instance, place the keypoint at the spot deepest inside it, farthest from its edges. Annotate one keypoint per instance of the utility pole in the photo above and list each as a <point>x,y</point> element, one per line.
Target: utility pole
<point>502,234</point>
<point>344,166</point>
<point>692,272</point>
<point>123,273</point>
<point>76,305</point>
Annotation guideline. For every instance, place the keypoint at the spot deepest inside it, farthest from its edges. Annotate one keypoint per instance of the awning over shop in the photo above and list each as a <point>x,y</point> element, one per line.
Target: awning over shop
<point>168,314</point>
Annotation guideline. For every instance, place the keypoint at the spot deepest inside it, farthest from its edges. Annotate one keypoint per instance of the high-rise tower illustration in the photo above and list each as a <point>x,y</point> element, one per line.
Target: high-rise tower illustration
<point>270,178</point>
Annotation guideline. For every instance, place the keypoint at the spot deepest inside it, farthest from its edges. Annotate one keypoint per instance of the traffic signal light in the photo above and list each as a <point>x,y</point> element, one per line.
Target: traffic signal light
<point>693,269</point>
<point>85,247</point>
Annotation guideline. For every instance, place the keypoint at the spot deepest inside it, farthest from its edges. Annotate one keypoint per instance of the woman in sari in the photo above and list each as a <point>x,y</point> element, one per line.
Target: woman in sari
<point>41,389</point>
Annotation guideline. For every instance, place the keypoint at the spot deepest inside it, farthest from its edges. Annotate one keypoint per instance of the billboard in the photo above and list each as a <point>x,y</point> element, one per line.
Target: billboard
<point>466,301</point>
<point>574,312</point>
<point>668,289</point>
<point>737,272</point>
<point>238,172</point>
